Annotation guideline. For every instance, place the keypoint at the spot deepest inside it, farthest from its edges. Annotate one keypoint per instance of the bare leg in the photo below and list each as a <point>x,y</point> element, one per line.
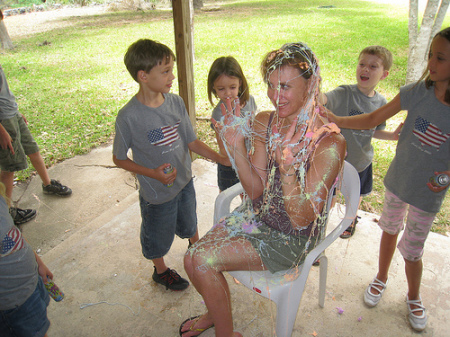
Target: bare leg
<point>205,265</point>
<point>160,265</point>
<point>387,248</point>
<point>413,271</point>
<point>38,163</point>
<point>7,178</point>
<point>195,238</point>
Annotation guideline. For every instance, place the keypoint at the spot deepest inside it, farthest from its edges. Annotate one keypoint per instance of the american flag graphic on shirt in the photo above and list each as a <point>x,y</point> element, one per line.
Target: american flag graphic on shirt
<point>355,112</point>
<point>165,135</point>
<point>428,133</point>
<point>12,241</point>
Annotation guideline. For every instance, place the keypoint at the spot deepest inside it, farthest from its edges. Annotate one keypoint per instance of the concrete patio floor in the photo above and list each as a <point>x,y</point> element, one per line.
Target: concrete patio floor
<point>91,243</point>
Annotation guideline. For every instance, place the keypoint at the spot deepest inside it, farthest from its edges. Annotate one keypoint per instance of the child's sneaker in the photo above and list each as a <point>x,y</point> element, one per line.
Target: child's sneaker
<point>20,216</point>
<point>55,187</point>
<point>170,279</point>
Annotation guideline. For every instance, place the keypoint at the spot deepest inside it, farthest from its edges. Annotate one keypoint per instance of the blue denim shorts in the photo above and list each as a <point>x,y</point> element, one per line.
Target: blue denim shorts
<point>29,319</point>
<point>161,222</point>
<point>366,180</point>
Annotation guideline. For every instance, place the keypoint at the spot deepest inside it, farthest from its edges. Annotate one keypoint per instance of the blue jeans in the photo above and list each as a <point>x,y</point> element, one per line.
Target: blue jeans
<point>29,319</point>
<point>161,222</point>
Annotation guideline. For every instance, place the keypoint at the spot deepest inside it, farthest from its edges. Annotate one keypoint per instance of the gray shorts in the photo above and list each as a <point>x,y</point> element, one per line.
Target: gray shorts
<point>23,144</point>
<point>277,250</point>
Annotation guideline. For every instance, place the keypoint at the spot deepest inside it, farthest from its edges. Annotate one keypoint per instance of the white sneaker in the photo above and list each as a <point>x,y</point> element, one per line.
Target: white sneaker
<point>418,322</point>
<point>372,299</point>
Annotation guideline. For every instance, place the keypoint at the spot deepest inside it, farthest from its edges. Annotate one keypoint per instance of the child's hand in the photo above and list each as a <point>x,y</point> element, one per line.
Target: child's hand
<point>224,160</point>
<point>5,140</point>
<point>24,119</point>
<point>165,178</point>
<point>396,133</point>
<point>324,112</point>
<point>436,188</point>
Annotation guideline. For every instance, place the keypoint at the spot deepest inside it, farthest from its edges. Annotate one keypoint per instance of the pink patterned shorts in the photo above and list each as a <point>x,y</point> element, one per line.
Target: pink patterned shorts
<point>417,227</point>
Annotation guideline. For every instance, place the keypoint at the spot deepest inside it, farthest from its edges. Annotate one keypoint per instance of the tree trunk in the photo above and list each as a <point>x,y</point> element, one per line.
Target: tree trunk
<point>4,36</point>
<point>420,39</point>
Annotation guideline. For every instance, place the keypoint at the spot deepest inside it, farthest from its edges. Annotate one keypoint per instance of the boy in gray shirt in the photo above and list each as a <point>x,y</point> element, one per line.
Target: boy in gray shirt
<point>155,125</point>
<point>373,66</point>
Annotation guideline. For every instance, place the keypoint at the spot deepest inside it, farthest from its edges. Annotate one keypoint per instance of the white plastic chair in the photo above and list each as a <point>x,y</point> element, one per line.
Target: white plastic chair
<point>287,292</point>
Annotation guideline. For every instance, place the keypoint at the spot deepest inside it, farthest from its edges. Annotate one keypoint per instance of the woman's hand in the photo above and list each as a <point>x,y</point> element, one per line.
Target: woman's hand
<point>232,124</point>
<point>289,151</point>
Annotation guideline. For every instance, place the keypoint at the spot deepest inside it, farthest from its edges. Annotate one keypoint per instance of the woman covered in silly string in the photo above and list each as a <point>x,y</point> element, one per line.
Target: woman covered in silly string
<point>287,175</point>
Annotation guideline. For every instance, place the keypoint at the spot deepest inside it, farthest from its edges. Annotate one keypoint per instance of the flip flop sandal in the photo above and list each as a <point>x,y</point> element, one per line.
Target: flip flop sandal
<point>350,230</point>
<point>191,328</point>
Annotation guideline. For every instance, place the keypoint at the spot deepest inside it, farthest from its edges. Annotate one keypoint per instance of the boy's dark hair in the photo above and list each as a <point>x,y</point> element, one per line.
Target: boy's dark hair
<point>445,33</point>
<point>144,54</point>
<point>229,66</point>
<point>383,53</point>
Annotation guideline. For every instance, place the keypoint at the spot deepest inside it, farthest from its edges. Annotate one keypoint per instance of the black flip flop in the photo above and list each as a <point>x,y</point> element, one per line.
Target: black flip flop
<point>351,229</point>
<point>196,318</point>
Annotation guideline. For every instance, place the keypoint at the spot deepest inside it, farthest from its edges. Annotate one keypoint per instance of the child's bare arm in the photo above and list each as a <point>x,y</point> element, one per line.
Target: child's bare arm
<point>388,135</point>
<point>364,121</point>
<point>43,270</point>
<point>204,150</point>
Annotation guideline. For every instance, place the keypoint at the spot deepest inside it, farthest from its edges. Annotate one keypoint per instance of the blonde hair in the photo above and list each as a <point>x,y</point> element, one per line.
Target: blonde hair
<point>383,53</point>
<point>3,194</point>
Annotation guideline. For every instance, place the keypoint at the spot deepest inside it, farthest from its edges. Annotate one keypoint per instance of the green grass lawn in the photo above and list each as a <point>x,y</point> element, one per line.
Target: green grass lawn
<point>71,88</point>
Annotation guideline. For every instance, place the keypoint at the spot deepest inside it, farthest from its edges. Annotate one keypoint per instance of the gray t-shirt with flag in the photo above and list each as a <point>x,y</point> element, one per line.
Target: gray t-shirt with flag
<point>423,148</point>
<point>156,136</point>
<point>348,100</point>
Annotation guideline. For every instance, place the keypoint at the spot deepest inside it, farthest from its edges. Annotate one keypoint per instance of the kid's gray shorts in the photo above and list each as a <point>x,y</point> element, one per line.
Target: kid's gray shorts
<point>23,144</point>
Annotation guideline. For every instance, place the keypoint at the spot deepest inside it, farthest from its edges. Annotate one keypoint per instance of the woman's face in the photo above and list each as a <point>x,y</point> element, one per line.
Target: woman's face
<point>287,91</point>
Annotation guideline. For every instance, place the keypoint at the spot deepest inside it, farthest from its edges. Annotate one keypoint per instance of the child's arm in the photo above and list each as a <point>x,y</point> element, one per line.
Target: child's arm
<point>5,139</point>
<point>388,135</point>
<point>204,150</point>
<point>157,173</point>
<point>365,121</point>
<point>43,270</point>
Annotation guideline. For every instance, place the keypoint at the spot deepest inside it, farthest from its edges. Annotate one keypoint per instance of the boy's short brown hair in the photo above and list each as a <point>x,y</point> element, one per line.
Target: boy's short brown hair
<point>144,54</point>
<point>383,53</point>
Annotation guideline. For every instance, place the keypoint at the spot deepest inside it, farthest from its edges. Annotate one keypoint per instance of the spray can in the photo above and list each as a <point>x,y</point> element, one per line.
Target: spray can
<point>167,170</point>
<point>53,290</point>
<point>440,180</point>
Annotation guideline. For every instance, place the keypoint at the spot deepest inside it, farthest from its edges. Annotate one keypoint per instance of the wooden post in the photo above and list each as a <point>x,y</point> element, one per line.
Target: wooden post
<point>184,52</point>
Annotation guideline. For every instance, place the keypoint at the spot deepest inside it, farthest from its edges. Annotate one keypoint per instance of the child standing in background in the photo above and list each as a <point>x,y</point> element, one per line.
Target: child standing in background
<point>373,66</point>
<point>155,125</point>
<point>23,297</point>
<point>227,80</point>
<point>16,144</point>
<point>423,151</point>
